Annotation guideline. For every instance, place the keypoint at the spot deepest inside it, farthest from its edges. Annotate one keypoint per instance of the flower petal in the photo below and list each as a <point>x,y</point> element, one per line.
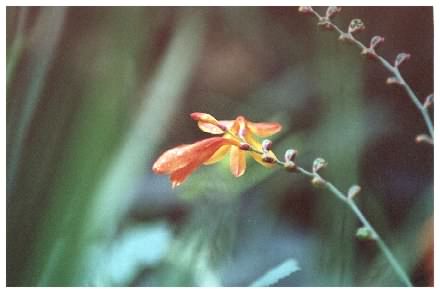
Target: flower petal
<point>218,155</point>
<point>207,123</point>
<point>184,155</point>
<point>264,129</point>
<point>204,117</point>
<point>237,161</point>
<point>178,176</point>
<point>209,128</point>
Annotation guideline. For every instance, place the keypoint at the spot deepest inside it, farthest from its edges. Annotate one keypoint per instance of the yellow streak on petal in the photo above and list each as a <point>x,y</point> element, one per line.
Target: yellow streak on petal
<point>209,128</point>
<point>237,161</point>
<point>218,155</point>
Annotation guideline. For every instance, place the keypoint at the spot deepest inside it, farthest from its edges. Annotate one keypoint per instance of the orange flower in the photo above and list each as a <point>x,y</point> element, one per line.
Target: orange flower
<point>242,128</point>
<point>181,161</point>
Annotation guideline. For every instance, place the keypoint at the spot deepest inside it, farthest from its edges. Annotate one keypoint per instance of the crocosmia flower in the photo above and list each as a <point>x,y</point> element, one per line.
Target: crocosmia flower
<point>237,138</point>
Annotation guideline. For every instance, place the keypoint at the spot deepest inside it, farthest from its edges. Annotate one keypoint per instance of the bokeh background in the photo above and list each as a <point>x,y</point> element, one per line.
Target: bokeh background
<point>95,95</point>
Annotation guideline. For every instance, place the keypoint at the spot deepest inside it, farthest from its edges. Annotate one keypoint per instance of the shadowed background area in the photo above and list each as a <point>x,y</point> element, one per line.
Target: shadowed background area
<point>95,95</point>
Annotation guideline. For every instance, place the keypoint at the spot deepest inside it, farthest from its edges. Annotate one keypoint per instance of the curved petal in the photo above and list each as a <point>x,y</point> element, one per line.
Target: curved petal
<point>209,128</point>
<point>207,122</point>
<point>234,127</point>
<point>237,161</point>
<point>178,176</point>
<point>264,129</point>
<point>188,154</point>
<point>218,155</point>
<point>197,116</point>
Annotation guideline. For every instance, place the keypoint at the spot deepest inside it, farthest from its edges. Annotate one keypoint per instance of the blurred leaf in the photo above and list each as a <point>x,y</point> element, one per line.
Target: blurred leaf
<point>45,37</point>
<point>138,247</point>
<point>277,273</point>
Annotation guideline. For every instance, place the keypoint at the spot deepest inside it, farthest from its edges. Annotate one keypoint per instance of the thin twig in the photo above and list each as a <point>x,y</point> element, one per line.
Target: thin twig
<point>375,235</point>
<point>394,70</point>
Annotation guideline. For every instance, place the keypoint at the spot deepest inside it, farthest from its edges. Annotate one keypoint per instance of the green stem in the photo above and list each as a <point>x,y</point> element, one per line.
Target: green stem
<point>392,69</point>
<point>352,205</point>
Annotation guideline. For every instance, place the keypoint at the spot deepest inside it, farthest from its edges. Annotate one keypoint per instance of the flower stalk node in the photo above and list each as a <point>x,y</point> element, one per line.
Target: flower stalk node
<point>318,182</point>
<point>325,23</point>
<point>364,233</point>
<point>290,166</point>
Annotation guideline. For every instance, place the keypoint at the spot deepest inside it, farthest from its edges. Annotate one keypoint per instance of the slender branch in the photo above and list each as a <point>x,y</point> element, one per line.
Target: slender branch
<point>375,235</point>
<point>346,200</point>
<point>394,70</point>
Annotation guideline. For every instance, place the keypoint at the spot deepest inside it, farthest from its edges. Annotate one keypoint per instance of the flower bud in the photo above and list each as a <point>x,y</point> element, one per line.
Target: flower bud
<point>353,191</point>
<point>266,145</point>
<point>332,11</point>
<point>393,80</point>
<point>319,164</point>
<point>428,101</point>
<point>290,155</point>
<point>290,166</point>
<point>364,233</point>
<point>267,158</point>
<point>305,9</point>
<point>400,58</point>
<point>345,37</point>
<point>355,26</point>
<point>424,138</point>
<point>244,146</point>
<point>376,41</point>
<point>369,52</point>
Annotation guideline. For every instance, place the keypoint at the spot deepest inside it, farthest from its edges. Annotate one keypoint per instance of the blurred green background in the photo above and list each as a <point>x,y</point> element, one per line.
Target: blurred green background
<point>95,95</point>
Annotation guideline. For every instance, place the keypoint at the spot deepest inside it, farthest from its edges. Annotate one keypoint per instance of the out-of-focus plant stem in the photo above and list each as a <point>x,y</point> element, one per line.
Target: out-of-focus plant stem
<point>394,70</point>
<point>16,46</point>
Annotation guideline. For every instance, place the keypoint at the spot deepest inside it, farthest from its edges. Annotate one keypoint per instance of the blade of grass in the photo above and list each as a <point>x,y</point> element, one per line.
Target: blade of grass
<point>277,273</point>
<point>45,38</point>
